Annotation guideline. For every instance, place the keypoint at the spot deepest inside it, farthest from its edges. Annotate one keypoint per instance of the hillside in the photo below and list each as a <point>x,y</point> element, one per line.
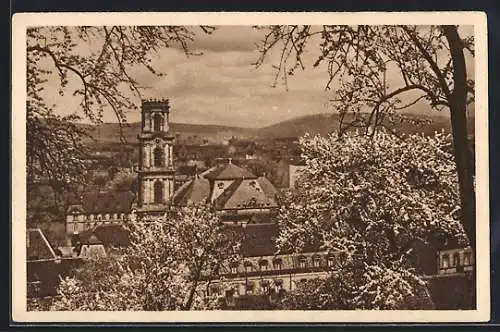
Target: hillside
<point>110,132</point>
<point>314,124</point>
<point>325,123</point>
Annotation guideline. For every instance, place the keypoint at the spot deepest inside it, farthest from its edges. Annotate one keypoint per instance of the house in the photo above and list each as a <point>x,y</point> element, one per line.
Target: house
<point>45,265</point>
<point>237,195</point>
<point>98,208</point>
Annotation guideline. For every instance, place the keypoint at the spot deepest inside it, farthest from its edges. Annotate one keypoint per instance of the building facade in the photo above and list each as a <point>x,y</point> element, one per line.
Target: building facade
<point>97,208</point>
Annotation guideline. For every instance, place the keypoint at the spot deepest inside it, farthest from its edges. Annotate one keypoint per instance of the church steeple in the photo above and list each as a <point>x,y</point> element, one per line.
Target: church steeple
<point>156,168</point>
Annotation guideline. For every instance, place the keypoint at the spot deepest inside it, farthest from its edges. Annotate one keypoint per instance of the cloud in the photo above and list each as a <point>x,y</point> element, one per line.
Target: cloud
<point>222,86</point>
<point>227,39</point>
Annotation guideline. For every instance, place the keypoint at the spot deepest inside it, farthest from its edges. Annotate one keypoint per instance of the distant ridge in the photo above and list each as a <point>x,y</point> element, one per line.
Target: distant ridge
<point>314,124</point>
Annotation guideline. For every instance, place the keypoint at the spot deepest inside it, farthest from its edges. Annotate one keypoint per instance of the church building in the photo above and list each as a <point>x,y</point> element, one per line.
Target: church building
<point>156,167</point>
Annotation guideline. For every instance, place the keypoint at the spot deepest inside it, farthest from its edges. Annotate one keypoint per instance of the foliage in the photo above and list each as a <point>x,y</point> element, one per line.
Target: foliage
<point>427,62</point>
<point>269,169</point>
<point>123,180</point>
<point>99,60</point>
<point>361,57</point>
<point>164,268</point>
<point>371,200</point>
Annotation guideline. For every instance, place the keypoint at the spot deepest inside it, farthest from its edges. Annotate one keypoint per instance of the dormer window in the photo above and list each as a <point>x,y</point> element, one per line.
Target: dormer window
<point>316,261</point>
<point>277,264</point>
<point>248,266</point>
<point>456,259</point>
<point>263,265</point>
<point>220,185</point>
<point>467,258</point>
<point>302,262</point>
<point>445,263</point>
<point>331,261</point>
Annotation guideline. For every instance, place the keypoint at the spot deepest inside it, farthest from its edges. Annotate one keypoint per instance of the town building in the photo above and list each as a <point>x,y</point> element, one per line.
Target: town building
<point>245,202</point>
<point>238,196</point>
<point>96,208</point>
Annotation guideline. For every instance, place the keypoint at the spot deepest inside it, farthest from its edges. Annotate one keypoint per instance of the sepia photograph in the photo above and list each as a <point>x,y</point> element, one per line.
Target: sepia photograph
<point>244,167</point>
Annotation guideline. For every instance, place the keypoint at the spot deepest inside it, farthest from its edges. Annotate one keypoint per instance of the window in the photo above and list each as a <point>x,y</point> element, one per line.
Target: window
<point>250,287</point>
<point>277,264</point>
<point>158,122</point>
<point>331,261</point>
<point>234,270</point>
<point>99,217</point>
<point>316,261</point>
<point>302,262</point>
<point>158,156</point>
<point>158,192</point>
<point>263,265</point>
<point>466,258</point>
<point>456,259</point>
<point>264,285</point>
<point>278,284</point>
<point>215,290</point>
<point>445,263</point>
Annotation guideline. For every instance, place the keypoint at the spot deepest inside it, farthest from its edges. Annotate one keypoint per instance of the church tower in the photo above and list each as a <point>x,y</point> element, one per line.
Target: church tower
<point>156,169</point>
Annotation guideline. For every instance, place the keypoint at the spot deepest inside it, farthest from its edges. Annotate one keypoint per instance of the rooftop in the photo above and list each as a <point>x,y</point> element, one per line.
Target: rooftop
<point>104,202</point>
<point>227,171</point>
<point>247,193</point>
<point>194,191</point>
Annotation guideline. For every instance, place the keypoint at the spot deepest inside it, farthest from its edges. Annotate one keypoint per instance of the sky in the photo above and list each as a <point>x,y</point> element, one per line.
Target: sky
<point>222,86</point>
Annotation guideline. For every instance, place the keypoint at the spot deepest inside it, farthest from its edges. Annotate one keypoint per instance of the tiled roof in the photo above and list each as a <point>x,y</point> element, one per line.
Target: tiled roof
<point>247,193</point>
<point>194,191</point>
<point>227,171</point>
<point>257,239</point>
<point>421,300</point>
<point>37,246</point>
<point>107,201</point>
<point>267,186</point>
<point>109,235</point>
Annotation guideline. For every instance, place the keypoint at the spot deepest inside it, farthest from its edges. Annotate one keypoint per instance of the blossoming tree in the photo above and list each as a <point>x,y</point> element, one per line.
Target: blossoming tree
<point>168,266</point>
<point>370,201</point>
<point>377,71</point>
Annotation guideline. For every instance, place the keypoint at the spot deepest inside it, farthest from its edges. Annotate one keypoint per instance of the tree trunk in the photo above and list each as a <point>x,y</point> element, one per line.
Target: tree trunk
<point>197,276</point>
<point>463,156</point>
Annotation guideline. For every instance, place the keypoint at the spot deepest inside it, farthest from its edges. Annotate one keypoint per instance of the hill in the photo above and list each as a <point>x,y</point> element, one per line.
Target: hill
<point>323,124</point>
<point>314,124</point>
<point>110,132</point>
